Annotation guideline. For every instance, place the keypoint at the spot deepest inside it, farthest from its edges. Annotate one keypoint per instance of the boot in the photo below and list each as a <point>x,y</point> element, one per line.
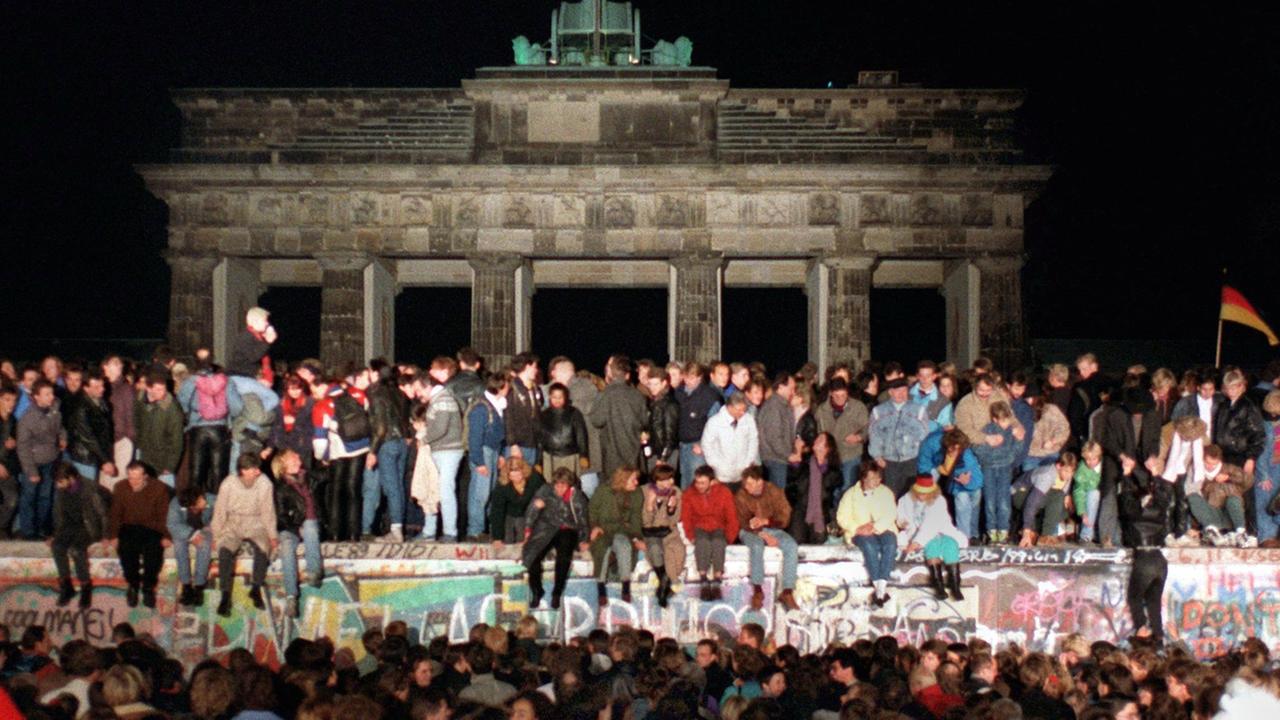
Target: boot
<point>704,589</point>
<point>664,586</point>
<point>602,595</point>
<point>224,607</point>
<point>936,582</point>
<point>65,591</point>
<point>187,597</point>
<point>716,592</point>
<point>626,591</point>
<point>197,595</point>
<point>149,597</point>
<point>131,596</point>
<point>255,594</point>
<point>788,599</point>
<point>86,594</point>
<point>953,581</point>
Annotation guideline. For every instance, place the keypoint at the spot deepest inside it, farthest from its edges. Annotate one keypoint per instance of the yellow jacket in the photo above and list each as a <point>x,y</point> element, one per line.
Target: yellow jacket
<point>857,509</point>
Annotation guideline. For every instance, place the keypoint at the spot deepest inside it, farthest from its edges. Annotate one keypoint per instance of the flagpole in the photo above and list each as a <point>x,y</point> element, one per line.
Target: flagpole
<point>1217,356</point>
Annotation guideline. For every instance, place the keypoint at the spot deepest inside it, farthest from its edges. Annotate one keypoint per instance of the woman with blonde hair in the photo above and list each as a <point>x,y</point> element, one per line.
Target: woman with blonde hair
<point>517,484</point>
<point>298,522</point>
<point>124,689</point>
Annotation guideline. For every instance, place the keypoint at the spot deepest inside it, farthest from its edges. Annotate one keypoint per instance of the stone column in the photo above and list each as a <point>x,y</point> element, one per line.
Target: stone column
<point>236,288</point>
<point>839,290</point>
<point>960,289</point>
<point>380,290</point>
<point>493,307</point>
<point>1001,333</point>
<point>190,301</point>
<point>342,308</point>
<point>695,298</point>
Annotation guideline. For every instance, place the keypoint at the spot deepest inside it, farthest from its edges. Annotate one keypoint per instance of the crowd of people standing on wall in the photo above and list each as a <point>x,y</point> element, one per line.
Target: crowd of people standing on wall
<point>645,458</point>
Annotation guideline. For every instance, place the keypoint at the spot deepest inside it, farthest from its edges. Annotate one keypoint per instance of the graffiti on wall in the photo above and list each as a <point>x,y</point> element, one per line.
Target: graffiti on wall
<point>1029,597</point>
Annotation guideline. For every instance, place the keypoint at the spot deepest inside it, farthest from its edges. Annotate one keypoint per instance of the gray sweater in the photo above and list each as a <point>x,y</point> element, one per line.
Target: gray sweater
<point>40,434</point>
<point>444,422</point>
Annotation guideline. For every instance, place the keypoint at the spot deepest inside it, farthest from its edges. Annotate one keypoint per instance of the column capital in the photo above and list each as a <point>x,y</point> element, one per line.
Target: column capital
<point>494,262</point>
<point>344,261</point>
<point>849,262</point>
<point>698,260</point>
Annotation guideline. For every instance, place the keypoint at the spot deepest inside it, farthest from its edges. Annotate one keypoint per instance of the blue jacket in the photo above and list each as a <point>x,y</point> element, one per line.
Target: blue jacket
<point>1026,416</point>
<point>896,432</point>
<point>177,518</point>
<point>187,399</point>
<point>1001,456</point>
<point>486,429</point>
<point>932,455</point>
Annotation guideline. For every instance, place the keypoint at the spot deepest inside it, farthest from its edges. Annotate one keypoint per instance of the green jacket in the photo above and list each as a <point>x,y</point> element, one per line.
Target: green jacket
<point>160,426</point>
<point>615,513</point>
<point>1084,482</point>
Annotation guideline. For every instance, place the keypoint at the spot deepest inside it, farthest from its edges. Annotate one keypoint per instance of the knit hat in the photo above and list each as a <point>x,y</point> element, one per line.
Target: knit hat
<point>925,484</point>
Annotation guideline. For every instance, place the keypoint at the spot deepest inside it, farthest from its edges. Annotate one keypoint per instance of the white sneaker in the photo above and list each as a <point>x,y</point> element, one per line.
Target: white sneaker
<point>1187,541</point>
<point>1246,540</point>
<point>395,536</point>
<point>1211,536</point>
<point>1170,540</point>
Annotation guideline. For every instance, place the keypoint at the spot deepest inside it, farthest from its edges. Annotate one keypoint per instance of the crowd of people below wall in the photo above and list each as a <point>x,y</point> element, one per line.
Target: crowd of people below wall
<point>648,459</point>
<point>506,674</point>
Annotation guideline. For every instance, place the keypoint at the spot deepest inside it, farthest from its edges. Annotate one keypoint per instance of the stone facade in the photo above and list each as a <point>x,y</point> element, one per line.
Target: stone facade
<point>527,166</point>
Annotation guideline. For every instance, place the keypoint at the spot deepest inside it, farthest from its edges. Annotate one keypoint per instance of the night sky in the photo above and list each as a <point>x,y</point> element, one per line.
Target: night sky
<point>1162,125</point>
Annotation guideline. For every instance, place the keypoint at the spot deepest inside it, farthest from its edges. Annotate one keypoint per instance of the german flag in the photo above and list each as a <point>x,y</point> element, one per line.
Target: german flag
<point>1238,310</point>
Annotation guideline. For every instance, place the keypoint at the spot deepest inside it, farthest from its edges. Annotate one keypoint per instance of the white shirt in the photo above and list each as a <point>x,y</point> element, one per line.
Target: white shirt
<point>1206,412</point>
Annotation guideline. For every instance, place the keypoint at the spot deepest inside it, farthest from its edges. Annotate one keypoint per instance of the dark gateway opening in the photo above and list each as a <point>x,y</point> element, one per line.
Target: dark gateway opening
<point>769,325</point>
<point>431,321</point>
<point>295,312</point>
<point>908,325</point>
<point>590,325</point>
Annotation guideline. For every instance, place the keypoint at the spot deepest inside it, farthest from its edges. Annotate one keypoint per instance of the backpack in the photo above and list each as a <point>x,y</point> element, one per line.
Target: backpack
<point>466,417</point>
<point>353,421</point>
<point>211,396</point>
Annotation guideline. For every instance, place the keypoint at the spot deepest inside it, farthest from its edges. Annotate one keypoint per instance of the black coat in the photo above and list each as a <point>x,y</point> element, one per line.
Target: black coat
<point>523,416</point>
<point>1238,428</point>
<point>798,495</point>
<point>564,431</point>
<point>1143,506</point>
<point>807,428</point>
<point>90,432</point>
<point>664,427</point>
<point>291,507</point>
<point>543,523</point>
<point>1084,400</point>
<point>695,408</point>
<point>388,413</point>
<point>246,354</point>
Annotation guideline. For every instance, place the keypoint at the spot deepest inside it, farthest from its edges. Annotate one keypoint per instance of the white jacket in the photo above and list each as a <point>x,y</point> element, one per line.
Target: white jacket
<point>730,449</point>
<point>925,521</point>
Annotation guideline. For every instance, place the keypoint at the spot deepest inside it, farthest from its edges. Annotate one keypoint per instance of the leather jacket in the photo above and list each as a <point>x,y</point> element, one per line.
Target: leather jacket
<point>1143,506</point>
<point>1238,428</point>
<point>564,431</point>
<point>90,432</point>
<point>664,426</point>
<point>388,413</point>
<point>291,507</point>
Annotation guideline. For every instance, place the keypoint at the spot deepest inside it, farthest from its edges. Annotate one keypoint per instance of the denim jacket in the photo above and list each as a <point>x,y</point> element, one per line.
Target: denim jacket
<point>896,432</point>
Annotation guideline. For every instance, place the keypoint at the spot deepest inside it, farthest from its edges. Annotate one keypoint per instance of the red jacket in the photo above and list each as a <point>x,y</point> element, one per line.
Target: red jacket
<point>709,512</point>
<point>938,702</point>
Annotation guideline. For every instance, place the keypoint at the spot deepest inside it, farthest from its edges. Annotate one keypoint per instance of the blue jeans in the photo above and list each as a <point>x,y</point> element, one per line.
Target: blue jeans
<point>1089,511</point>
<point>289,554</point>
<point>1268,525</point>
<point>386,479</point>
<point>688,463</point>
<point>88,472</point>
<point>756,547</point>
<point>35,504</point>
<point>997,499</point>
<point>478,494</point>
<point>447,462</point>
<point>530,454</point>
<point>589,482</point>
<point>182,549</point>
<point>777,472</point>
<point>968,511</point>
<point>849,473</point>
<point>879,553</point>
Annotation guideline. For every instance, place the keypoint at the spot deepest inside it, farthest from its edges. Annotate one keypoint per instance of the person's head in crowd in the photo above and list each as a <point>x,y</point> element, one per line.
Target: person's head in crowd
<point>773,681</point>
<point>751,635</point>
<point>842,668</point>
<point>532,705</point>
<point>733,707</point>
<point>703,477</point>
<point>124,685</point>
<point>707,653</point>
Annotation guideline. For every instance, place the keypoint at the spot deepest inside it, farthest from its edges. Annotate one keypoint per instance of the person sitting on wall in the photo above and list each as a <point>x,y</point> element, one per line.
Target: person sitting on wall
<point>136,528</point>
<point>867,515</point>
<point>244,513</point>
<point>764,514</point>
<point>557,520</point>
<point>923,524</point>
<point>78,517</point>
<point>617,524</point>
<point>710,522</point>
<point>188,521</point>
